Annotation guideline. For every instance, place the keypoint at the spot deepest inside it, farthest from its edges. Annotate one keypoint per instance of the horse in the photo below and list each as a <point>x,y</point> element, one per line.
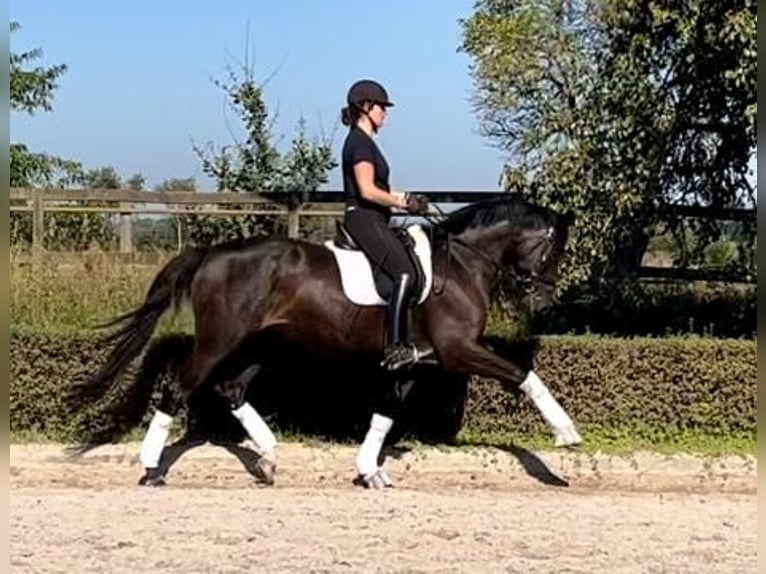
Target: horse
<point>307,293</point>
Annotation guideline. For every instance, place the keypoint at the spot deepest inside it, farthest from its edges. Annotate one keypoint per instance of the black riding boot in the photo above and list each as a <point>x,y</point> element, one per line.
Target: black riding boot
<point>399,351</point>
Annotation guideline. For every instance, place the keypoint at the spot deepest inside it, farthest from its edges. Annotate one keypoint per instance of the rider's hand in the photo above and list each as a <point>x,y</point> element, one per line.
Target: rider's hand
<point>401,200</point>
<point>416,204</point>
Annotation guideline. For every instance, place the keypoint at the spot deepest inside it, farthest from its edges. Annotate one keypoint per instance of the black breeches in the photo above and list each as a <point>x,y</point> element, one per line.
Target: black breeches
<point>384,250</point>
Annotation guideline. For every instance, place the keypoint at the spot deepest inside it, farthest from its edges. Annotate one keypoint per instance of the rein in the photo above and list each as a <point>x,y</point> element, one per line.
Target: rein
<point>450,238</point>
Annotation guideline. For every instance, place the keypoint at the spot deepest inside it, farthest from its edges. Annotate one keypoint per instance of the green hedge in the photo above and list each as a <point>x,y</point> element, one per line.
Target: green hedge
<point>42,368</point>
<point>653,388</point>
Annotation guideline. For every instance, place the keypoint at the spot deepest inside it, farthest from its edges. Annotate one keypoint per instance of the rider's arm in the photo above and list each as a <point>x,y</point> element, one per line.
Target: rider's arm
<point>364,173</point>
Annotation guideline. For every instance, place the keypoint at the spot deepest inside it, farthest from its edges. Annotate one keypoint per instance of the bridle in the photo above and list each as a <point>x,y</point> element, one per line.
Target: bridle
<point>529,281</point>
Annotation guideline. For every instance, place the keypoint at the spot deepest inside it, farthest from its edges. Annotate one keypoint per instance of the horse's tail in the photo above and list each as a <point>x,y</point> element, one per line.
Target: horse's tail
<point>160,369</point>
<point>171,286</point>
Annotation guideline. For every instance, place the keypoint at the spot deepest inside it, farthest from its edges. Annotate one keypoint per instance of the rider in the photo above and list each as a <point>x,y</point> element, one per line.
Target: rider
<point>369,201</point>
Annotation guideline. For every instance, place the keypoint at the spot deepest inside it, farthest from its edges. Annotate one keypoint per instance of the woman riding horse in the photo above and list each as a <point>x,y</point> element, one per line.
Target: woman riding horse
<point>292,289</point>
<point>369,200</point>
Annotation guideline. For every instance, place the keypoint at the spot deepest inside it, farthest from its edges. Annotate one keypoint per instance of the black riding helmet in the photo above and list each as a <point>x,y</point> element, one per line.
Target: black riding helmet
<point>368,91</point>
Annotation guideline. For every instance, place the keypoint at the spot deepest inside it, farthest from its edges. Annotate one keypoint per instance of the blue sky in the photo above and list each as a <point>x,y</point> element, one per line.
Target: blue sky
<point>138,90</point>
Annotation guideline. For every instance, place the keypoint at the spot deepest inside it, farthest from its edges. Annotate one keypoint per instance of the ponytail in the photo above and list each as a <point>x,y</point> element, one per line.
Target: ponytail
<point>350,115</point>
<point>347,116</point>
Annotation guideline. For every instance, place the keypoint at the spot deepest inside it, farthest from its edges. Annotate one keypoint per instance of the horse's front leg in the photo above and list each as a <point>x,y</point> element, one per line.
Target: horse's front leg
<point>369,473</point>
<point>471,357</point>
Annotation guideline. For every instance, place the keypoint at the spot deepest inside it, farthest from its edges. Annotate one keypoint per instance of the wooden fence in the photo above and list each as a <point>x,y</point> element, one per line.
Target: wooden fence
<point>125,203</point>
<point>295,206</point>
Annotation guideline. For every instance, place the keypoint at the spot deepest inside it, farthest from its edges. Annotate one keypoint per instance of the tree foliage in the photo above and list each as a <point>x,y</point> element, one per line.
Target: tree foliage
<point>177,184</point>
<point>613,109</point>
<point>253,163</point>
<point>32,90</point>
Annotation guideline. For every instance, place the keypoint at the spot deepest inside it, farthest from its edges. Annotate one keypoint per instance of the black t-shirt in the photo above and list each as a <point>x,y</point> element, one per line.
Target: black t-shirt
<point>361,147</point>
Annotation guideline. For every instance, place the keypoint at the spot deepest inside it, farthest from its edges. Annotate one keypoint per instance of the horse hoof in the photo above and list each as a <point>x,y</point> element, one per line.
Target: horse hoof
<point>377,480</point>
<point>152,478</point>
<point>265,470</point>
<point>568,438</point>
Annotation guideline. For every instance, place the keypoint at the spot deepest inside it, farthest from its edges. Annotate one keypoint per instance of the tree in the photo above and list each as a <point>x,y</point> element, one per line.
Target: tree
<point>254,164</point>
<point>136,182</point>
<point>103,178</point>
<point>78,231</point>
<point>31,90</point>
<point>533,65</point>
<point>177,184</point>
<point>160,233</point>
<point>34,169</point>
<point>613,109</point>
<point>684,75</point>
<point>169,232</point>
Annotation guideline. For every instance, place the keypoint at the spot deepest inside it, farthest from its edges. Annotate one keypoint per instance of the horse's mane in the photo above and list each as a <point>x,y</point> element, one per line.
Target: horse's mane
<point>512,209</point>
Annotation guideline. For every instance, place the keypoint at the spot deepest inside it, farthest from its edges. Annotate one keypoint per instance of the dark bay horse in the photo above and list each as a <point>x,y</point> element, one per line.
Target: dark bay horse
<point>293,288</point>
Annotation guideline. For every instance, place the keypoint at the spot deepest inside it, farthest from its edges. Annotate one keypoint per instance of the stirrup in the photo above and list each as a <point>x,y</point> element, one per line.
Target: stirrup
<point>399,356</point>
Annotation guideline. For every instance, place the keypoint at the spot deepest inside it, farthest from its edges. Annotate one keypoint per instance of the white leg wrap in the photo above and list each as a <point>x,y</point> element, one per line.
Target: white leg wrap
<point>154,440</point>
<point>256,427</point>
<point>551,410</point>
<point>367,456</point>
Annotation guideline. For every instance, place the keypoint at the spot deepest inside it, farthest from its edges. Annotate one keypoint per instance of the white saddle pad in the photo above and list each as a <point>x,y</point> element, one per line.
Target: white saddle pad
<point>356,271</point>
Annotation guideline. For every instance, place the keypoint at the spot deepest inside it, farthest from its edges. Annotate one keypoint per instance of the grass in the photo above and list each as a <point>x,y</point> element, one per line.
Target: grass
<point>610,441</point>
<point>74,294</point>
<point>595,441</point>
<point>64,293</point>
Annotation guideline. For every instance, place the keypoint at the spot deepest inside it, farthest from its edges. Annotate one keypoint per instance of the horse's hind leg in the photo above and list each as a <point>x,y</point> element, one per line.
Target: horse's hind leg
<point>196,370</point>
<point>152,447</point>
<point>259,432</point>
<point>156,435</point>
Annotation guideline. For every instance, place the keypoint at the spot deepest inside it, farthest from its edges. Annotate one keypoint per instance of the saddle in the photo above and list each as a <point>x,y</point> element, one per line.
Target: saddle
<point>364,287</point>
<point>343,239</point>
